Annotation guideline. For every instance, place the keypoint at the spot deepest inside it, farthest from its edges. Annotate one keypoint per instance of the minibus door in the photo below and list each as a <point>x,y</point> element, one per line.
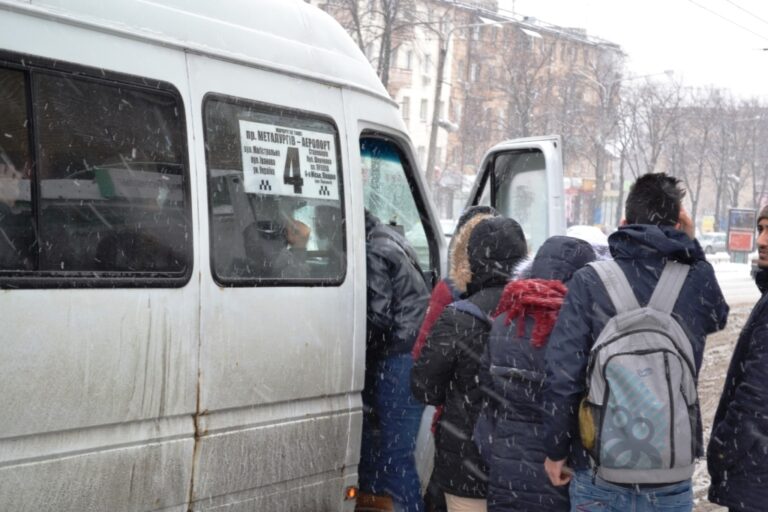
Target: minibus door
<point>523,180</point>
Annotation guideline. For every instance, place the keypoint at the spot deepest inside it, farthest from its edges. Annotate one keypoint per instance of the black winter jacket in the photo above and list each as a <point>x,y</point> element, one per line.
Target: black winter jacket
<point>641,251</point>
<point>509,429</point>
<point>397,292</point>
<point>737,456</point>
<point>446,372</point>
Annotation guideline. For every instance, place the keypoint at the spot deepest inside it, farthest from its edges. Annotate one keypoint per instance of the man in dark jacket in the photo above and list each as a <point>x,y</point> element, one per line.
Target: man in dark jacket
<point>397,300</point>
<point>656,229</point>
<point>446,372</point>
<point>737,456</point>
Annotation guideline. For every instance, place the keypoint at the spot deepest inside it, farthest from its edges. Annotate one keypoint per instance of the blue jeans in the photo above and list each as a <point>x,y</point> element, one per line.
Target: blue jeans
<point>391,418</point>
<point>604,496</point>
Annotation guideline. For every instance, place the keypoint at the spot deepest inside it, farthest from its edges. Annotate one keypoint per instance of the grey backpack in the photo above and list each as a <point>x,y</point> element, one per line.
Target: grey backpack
<point>639,419</point>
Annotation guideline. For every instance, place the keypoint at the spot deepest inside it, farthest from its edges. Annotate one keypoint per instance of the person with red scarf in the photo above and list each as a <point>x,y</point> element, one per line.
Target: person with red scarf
<point>508,432</point>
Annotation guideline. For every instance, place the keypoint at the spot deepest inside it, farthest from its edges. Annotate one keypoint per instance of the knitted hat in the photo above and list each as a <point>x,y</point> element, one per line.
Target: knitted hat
<point>763,213</point>
<point>496,245</point>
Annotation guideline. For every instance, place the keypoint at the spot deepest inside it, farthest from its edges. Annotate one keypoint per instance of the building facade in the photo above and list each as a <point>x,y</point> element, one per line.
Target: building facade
<point>502,77</point>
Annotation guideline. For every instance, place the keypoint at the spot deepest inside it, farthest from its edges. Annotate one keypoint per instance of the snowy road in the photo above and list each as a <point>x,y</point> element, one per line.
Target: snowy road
<point>735,281</point>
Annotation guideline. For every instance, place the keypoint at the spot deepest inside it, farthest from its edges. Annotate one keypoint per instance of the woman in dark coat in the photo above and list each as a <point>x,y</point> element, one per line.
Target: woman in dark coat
<point>509,428</point>
<point>446,372</point>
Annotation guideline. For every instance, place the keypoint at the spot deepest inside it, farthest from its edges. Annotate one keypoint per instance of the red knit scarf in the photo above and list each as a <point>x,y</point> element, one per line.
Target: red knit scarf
<point>539,298</point>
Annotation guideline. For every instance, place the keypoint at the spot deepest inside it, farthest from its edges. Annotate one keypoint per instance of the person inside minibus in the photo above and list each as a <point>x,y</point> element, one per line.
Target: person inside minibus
<point>16,231</point>
<point>277,248</point>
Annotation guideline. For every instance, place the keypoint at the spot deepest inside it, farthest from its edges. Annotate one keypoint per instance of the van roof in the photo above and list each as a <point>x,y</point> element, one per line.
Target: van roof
<point>287,35</point>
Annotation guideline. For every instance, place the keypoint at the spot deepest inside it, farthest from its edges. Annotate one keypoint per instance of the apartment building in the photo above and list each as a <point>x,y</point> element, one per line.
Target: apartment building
<point>503,76</point>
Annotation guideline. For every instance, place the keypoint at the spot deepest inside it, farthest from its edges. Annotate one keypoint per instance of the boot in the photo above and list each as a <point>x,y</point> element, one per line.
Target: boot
<point>373,503</point>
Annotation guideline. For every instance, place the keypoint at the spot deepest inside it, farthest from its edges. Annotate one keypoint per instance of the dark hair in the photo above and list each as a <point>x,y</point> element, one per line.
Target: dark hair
<point>655,198</point>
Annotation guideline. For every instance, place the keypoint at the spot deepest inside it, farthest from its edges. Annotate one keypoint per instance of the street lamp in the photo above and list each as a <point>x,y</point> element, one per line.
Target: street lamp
<point>444,41</point>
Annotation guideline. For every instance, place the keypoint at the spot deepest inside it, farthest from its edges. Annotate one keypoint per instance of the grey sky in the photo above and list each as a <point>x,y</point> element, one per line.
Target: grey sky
<point>690,37</point>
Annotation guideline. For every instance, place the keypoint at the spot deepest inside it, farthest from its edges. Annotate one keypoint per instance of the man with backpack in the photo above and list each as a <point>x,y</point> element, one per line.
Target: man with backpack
<point>623,361</point>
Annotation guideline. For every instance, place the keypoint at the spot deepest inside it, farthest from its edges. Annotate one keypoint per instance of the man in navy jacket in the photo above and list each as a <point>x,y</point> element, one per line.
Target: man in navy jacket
<point>656,229</point>
<point>737,456</point>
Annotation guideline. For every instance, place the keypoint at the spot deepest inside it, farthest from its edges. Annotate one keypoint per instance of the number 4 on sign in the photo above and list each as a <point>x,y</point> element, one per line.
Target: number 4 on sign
<point>292,174</point>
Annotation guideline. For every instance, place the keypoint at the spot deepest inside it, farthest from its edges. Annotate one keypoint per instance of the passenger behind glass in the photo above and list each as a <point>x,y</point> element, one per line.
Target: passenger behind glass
<point>17,236</point>
<point>277,248</point>
<point>329,233</point>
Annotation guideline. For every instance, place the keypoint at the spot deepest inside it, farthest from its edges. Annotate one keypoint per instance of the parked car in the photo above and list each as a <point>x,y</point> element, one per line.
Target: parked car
<point>714,242</point>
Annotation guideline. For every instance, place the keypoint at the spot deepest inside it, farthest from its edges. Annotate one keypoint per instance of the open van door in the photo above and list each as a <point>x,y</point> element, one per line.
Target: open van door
<point>523,180</point>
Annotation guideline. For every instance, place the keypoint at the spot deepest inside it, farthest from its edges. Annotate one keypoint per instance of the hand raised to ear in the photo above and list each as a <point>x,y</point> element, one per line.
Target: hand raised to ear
<point>685,224</point>
<point>297,234</point>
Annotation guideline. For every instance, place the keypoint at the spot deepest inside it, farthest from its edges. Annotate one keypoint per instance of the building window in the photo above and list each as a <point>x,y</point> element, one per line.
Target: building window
<point>274,195</point>
<point>102,196</point>
<point>421,152</point>
<point>423,111</point>
<point>405,108</point>
<point>474,72</point>
<point>409,60</point>
<point>427,64</point>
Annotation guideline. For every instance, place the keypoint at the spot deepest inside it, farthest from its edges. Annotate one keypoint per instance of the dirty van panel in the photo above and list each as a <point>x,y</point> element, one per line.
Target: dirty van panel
<point>279,343</point>
<point>523,180</point>
<point>391,195</point>
<point>99,382</point>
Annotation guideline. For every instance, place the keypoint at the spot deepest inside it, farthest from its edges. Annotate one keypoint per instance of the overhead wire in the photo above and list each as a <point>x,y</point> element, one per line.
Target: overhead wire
<point>747,11</point>
<point>728,20</point>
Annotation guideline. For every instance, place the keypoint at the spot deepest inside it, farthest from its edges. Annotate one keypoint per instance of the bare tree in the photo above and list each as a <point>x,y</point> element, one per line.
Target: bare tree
<point>626,137</point>
<point>755,116</point>
<point>656,106</point>
<point>690,150</point>
<point>376,25</point>
<point>602,76</point>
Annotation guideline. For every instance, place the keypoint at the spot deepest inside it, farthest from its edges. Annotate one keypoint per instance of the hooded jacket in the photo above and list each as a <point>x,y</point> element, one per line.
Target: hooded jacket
<point>446,372</point>
<point>453,287</point>
<point>737,456</point>
<point>397,292</point>
<point>509,428</point>
<point>641,251</point>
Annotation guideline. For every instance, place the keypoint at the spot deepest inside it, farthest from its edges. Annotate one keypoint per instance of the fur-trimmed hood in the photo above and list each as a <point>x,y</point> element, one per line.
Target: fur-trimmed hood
<point>460,271</point>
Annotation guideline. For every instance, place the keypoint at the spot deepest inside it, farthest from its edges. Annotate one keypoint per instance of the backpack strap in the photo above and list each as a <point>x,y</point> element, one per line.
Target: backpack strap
<point>470,308</point>
<point>668,288</point>
<point>616,284</point>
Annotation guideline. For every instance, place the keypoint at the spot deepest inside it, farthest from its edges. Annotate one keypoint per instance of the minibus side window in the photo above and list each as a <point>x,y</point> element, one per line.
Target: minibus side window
<point>275,195</point>
<point>390,196</point>
<point>521,182</point>
<point>93,179</point>
<point>17,234</point>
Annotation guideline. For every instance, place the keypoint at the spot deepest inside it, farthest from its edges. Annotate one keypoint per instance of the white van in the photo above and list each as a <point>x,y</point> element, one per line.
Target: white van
<point>164,347</point>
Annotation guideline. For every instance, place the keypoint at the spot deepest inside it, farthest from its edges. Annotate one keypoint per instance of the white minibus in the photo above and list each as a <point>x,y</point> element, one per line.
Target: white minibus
<point>182,250</point>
